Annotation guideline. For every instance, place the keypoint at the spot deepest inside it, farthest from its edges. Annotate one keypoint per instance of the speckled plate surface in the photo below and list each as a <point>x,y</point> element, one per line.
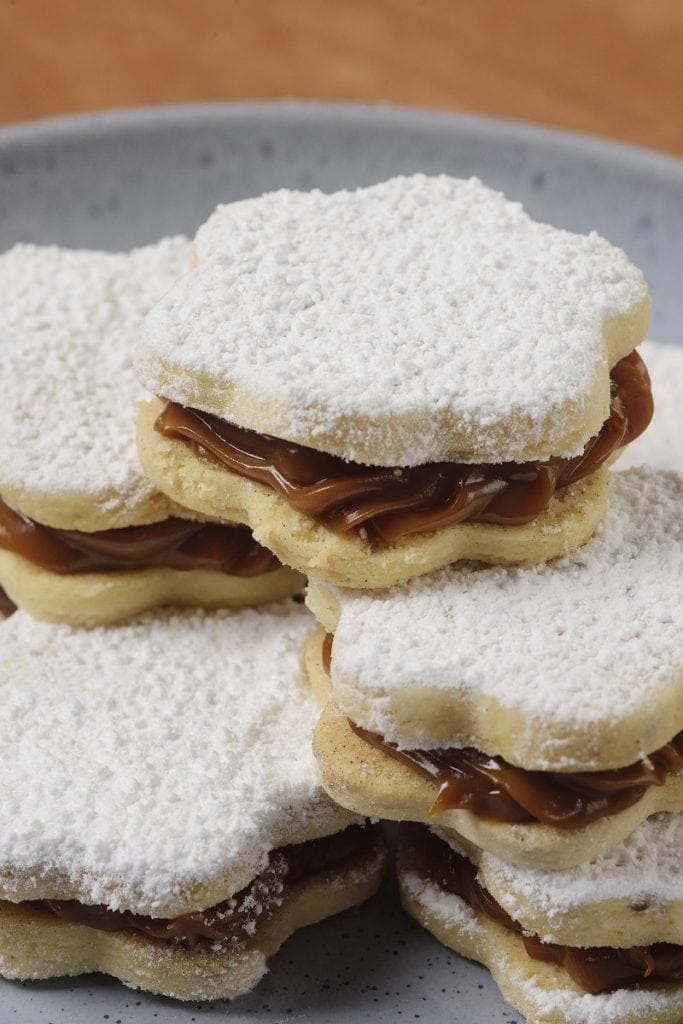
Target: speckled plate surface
<point>122,179</point>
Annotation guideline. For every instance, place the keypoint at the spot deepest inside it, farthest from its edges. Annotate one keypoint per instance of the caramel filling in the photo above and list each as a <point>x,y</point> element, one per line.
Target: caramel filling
<point>234,920</point>
<point>174,544</point>
<point>390,503</point>
<point>7,606</point>
<point>595,969</point>
<point>491,788</point>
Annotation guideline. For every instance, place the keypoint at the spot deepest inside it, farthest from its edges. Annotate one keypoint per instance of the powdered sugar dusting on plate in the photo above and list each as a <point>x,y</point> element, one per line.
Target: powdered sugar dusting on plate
<point>68,326</point>
<point>412,300</point>
<point>145,761</point>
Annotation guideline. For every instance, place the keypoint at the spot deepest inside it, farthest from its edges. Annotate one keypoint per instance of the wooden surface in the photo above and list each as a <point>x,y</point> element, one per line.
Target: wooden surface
<point>611,67</point>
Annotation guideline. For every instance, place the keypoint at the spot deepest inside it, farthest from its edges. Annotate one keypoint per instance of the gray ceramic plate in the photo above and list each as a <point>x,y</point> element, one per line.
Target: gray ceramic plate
<point>121,179</point>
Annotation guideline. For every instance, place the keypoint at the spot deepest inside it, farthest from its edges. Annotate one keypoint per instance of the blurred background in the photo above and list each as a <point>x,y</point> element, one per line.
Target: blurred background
<point>609,67</point>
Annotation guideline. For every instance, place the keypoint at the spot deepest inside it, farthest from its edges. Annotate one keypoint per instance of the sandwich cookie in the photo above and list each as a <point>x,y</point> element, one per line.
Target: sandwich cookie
<point>662,443</point>
<point>382,382</point>
<point>537,711</point>
<point>601,944</point>
<point>85,538</point>
<point>163,819</point>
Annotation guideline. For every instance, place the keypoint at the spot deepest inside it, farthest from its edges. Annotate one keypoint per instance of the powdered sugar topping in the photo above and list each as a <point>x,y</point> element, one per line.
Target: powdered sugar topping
<point>68,328</point>
<point>145,762</point>
<point>380,323</point>
<point>448,908</point>
<point>568,650</point>
<point>645,867</point>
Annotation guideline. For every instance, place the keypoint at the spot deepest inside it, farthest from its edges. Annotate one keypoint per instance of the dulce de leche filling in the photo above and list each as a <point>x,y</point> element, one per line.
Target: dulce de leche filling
<point>492,788</point>
<point>7,606</point>
<point>173,543</point>
<point>595,969</point>
<point>390,503</point>
<point>233,921</point>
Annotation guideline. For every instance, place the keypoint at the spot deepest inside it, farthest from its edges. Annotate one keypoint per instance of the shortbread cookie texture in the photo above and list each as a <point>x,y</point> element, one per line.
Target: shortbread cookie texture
<point>576,666</point>
<point>365,777</point>
<point>549,983</point>
<point>346,559</point>
<point>68,323</point>
<point>102,598</point>
<point>160,769</point>
<point>661,444</point>
<point>419,320</point>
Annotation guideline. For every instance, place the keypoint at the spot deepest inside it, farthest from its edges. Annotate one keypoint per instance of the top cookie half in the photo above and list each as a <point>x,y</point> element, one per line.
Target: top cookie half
<point>419,320</point>
<point>68,324</point>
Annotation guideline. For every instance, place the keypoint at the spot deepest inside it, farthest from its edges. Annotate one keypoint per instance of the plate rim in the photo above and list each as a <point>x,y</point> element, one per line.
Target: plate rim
<point>103,122</point>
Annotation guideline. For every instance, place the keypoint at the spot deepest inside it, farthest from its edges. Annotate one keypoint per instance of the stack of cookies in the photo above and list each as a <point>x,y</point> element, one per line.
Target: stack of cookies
<point>410,394</point>
<point>163,817</point>
<point>528,719</point>
<point>382,384</point>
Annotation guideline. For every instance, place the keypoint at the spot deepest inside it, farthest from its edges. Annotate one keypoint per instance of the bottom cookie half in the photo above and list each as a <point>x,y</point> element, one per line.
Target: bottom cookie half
<point>102,598</point>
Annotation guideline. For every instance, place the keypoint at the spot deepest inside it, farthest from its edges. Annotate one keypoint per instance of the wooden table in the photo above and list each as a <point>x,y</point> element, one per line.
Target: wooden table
<point>611,67</point>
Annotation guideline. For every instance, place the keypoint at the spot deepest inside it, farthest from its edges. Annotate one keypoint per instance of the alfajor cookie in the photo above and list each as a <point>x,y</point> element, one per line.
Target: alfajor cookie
<point>163,819</point>
<point>602,944</point>
<point>85,537</point>
<point>662,443</point>
<point>536,711</point>
<point>384,381</point>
